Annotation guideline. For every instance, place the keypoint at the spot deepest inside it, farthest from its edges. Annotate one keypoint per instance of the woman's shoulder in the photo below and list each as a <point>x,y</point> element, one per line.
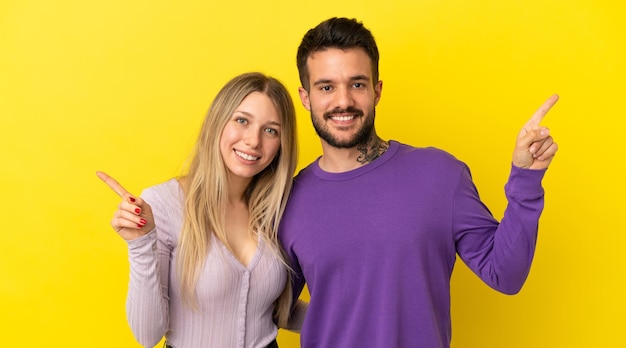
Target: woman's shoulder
<point>167,201</point>
<point>165,190</point>
<point>167,196</point>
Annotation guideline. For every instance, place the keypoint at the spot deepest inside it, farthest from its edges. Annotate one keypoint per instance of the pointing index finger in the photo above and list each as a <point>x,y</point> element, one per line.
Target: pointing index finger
<point>541,112</point>
<point>113,184</point>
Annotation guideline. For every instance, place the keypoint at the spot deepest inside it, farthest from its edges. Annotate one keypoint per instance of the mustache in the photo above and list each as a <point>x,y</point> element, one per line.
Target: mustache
<point>349,110</point>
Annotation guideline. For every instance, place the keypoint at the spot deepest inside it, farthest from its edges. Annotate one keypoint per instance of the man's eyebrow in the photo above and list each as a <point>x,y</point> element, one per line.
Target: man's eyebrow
<point>322,82</point>
<point>353,78</point>
<point>360,77</point>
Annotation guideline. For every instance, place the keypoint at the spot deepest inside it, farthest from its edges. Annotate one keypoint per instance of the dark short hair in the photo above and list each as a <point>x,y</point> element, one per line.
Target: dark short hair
<point>342,33</point>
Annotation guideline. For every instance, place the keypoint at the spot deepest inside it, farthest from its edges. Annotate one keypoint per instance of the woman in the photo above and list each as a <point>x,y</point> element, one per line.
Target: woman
<point>206,269</point>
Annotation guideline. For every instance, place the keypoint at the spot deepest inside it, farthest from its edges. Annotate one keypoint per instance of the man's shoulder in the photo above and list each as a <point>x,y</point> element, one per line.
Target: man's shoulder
<point>429,154</point>
<point>305,172</point>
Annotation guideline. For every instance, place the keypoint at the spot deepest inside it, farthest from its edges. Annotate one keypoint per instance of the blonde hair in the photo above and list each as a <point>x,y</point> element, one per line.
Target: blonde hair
<point>207,187</point>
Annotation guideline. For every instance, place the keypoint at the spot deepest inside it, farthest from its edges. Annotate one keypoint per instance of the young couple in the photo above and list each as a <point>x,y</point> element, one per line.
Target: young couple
<point>372,227</point>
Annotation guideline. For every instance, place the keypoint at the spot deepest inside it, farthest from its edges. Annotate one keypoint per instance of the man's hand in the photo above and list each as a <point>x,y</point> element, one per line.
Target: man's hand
<point>535,148</point>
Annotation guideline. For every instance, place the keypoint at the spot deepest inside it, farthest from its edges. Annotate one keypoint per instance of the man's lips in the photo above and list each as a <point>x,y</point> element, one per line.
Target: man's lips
<point>344,115</point>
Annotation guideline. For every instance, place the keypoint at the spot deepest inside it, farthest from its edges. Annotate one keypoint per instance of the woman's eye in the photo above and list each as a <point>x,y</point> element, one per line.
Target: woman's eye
<point>271,131</point>
<point>241,120</point>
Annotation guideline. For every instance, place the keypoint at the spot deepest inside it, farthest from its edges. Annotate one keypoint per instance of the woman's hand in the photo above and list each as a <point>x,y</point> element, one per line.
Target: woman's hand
<point>133,217</point>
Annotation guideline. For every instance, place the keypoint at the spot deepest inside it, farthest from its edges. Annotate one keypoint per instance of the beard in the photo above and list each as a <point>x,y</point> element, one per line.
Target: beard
<point>361,136</point>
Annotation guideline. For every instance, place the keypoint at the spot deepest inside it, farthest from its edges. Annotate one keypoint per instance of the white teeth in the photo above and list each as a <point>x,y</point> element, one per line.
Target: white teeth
<point>343,118</point>
<point>246,156</point>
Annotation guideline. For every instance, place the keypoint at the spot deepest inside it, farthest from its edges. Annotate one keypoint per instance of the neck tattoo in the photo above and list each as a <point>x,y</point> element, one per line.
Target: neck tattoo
<point>371,150</point>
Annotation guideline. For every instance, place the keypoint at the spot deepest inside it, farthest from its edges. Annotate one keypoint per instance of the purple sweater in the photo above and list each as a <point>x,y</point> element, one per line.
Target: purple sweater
<point>376,245</point>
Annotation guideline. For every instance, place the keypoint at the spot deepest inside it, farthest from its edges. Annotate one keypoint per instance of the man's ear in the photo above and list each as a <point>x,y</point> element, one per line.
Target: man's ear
<point>378,91</point>
<point>304,98</point>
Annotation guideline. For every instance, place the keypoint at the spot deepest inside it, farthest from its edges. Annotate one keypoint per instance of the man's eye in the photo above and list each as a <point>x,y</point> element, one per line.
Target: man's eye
<point>326,88</point>
<point>357,85</point>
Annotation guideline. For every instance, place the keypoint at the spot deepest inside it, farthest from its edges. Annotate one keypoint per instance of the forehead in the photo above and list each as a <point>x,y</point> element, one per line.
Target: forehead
<point>334,63</point>
<point>259,105</point>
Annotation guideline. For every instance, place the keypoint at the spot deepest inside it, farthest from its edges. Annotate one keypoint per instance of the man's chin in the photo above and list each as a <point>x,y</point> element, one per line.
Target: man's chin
<point>342,143</point>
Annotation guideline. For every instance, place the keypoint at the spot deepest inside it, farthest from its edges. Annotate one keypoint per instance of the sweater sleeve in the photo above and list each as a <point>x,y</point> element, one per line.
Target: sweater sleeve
<point>296,319</point>
<point>298,307</point>
<point>500,253</point>
<point>147,303</point>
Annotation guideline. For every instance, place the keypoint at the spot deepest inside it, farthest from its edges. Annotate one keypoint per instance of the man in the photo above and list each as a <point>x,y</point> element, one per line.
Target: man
<point>373,226</point>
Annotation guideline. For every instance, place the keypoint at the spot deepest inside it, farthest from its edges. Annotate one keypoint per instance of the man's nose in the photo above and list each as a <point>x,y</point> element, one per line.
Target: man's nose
<point>343,98</point>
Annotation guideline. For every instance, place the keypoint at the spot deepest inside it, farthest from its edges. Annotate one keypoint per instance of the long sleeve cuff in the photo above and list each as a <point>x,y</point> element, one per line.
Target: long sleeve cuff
<point>525,183</point>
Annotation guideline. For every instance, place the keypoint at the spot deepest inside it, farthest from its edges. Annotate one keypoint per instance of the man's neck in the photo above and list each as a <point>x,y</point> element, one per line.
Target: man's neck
<point>338,160</point>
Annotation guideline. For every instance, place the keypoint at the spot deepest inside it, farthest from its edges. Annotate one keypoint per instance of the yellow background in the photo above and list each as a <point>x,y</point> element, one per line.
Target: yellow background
<point>122,86</point>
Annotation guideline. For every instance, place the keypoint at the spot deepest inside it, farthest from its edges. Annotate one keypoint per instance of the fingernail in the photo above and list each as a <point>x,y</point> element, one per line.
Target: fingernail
<point>143,222</point>
<point>137,210</point>
<point>132,199</point>
<point>138,225</point>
